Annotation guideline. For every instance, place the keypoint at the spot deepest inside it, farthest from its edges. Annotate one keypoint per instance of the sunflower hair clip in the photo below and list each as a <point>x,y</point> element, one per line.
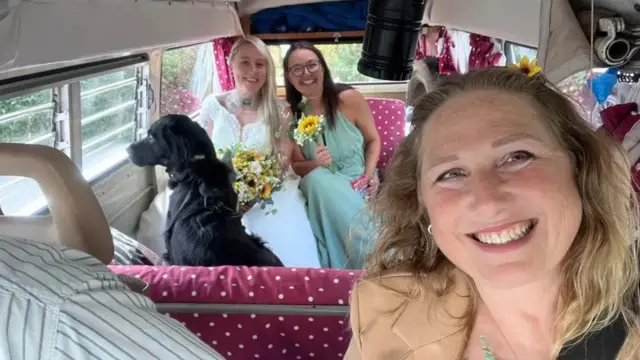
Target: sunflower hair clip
<point>529,68</point>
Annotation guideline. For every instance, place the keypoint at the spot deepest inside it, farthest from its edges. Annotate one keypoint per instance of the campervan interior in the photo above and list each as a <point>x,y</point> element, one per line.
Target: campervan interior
<point>86,78</point>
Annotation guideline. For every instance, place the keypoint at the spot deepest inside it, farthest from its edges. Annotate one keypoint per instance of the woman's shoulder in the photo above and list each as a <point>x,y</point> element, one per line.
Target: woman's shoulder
<point>631,347</point>
<point>282,105</point>
<point>352,103</point>
<point>350,96</point>
<point>372,297</point>
<point>214,102</point>
<point>390,290</point>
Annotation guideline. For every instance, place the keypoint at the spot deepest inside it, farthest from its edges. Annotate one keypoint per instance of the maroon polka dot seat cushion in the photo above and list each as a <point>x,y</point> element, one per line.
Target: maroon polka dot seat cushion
<point>389,117</point>
<point>241,334</point>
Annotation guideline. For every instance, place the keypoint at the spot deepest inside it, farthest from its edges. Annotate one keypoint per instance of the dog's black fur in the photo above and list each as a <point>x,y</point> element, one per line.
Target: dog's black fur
<point>203,226</point>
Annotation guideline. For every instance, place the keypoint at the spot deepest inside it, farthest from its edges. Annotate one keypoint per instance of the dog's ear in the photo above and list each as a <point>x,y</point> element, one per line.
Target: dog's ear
<point>213,147</point>
<point>179,154</point>
<point>227,158</point>
<point>228,166</point>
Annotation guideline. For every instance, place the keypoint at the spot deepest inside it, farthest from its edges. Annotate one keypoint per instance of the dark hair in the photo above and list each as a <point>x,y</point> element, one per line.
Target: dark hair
<point>330,89</point>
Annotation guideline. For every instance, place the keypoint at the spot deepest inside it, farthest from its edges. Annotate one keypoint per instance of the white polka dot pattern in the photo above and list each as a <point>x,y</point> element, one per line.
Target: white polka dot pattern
<point>221,51</point>
<point>389,118</point>
<point>250,335</point>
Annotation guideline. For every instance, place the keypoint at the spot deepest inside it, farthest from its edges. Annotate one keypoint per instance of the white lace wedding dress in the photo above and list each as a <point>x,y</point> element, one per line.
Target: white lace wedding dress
<point>287,232</point>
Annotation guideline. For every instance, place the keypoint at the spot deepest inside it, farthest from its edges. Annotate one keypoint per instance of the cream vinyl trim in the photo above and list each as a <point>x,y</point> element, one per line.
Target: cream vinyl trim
<point>77,220</point>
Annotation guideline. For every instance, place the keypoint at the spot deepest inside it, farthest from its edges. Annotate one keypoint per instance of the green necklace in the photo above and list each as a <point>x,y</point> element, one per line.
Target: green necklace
<point>488,353</point>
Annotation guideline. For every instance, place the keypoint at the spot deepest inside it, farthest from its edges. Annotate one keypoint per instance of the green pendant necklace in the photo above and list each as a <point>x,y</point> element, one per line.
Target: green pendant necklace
<point>488,353</point>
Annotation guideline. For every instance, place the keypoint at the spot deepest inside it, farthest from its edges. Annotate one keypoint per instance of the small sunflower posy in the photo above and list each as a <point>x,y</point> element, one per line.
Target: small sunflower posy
<point>528,67</point>
<point>309,128</point>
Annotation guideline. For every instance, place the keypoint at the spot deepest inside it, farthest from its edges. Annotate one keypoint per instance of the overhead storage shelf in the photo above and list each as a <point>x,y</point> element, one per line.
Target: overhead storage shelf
<point>312,36</point>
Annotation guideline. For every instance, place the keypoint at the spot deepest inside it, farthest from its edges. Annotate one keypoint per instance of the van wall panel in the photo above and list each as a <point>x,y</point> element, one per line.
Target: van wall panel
<point>124,195</point>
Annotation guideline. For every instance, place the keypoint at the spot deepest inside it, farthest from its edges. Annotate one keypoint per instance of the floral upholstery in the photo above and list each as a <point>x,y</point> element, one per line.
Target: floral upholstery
<point>247,335</point>
<point>389,117</point>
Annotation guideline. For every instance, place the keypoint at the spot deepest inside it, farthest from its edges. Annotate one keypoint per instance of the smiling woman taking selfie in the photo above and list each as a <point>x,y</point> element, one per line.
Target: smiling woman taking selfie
<point>508,233</point>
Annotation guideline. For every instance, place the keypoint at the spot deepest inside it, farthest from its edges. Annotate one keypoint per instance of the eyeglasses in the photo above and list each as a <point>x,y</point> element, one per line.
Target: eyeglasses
<point>311,66</point>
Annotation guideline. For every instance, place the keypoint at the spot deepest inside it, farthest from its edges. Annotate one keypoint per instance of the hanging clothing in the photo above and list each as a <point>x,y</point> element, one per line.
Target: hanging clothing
<point>485,52</point>
<point>623,123</point>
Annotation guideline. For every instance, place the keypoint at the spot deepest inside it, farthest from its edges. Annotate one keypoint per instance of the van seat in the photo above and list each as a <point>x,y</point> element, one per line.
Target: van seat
<point>389,117</point>
<point>256,313</point>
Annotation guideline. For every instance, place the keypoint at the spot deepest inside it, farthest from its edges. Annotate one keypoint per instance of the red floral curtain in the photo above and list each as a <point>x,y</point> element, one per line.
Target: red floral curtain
<point>221,51</point>
<point>483,52</point>
<point>446,62</point>
<point>420,51</point>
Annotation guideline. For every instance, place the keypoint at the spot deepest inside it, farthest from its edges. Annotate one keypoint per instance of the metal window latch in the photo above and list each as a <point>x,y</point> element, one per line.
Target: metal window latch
<point>150,95</point>
<point>59,118</point>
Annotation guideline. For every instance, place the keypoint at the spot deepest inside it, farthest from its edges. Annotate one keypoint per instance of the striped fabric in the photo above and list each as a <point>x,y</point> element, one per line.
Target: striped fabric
<point>128,251</point>
<point>60,304</point>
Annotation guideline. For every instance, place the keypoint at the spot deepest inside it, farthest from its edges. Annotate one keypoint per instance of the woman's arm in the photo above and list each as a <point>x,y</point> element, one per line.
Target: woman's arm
<point>300,165</point>
<point>356,108</point>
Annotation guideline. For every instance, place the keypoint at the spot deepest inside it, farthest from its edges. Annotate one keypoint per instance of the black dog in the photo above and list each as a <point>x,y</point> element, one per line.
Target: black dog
<point>203,226</point>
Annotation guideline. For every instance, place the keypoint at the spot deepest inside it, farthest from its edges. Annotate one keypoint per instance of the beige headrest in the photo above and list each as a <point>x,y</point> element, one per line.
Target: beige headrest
<point>76,220</point>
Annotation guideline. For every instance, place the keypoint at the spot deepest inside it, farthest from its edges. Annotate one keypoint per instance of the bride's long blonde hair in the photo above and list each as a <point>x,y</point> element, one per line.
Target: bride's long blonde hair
<point>268,107</point>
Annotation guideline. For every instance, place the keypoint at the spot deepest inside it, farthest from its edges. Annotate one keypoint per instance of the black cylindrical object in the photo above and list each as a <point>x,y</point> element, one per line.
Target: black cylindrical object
<point>391,38</point>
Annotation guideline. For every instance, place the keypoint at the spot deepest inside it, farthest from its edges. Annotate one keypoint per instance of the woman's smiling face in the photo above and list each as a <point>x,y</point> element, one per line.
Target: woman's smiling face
<point>249,67</point>
<point>305,72</point>
<point>498,187</point>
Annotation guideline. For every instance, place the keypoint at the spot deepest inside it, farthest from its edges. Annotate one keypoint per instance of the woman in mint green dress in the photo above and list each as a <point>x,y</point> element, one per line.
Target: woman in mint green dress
<point>350,147</point>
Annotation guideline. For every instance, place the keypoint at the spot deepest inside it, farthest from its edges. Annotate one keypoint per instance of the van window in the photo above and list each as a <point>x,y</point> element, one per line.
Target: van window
<point>342,59</point>
<point>26,119</point>
<point>515,52</point>
<point>108,110</point>
<point>188,76</point>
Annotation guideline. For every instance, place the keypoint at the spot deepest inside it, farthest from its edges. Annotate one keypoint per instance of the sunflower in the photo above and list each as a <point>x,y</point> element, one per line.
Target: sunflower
<point>528,67</point>
<point>308,128</point>
<point>266,191</point>
<point>309,125</point>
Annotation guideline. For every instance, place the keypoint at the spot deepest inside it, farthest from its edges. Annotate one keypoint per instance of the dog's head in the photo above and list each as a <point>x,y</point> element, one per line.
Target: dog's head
<point>174,141</point>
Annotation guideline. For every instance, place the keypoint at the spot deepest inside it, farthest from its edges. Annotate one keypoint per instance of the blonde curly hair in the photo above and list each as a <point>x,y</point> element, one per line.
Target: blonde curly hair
<point>600,270</point>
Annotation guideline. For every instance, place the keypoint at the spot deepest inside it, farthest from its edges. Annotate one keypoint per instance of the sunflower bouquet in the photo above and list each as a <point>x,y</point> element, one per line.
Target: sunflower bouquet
<point>309,128</point>
<point>257,176</point>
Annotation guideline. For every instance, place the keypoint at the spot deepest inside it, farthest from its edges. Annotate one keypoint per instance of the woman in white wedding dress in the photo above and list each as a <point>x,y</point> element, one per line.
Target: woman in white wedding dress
<point>250,114</point>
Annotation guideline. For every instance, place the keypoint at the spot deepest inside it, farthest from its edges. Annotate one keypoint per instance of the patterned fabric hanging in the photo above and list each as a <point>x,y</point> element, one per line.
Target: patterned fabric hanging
<point>484,52</point>
<point>446,63</point>
<point>221,51</point>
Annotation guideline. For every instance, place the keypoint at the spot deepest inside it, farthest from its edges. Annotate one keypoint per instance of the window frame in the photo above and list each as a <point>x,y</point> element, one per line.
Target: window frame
<point>509,51</point>
<point>67,108</point>
<point>194,115</point>
<point>140,123</point>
